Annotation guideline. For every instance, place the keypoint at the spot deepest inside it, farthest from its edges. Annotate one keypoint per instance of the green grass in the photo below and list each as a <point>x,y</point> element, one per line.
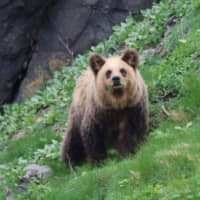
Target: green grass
<point>165,167</point>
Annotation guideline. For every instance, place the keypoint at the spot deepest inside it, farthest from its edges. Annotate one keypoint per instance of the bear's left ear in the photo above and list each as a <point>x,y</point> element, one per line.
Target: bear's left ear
<point>131,57</point>
<point>96,62</point>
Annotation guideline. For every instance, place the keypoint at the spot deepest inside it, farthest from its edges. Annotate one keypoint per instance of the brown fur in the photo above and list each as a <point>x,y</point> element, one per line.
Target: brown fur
<point>98,113</point>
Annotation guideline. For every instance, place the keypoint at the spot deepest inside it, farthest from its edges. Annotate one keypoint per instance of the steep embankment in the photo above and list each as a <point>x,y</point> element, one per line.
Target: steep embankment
<point>165,167</point>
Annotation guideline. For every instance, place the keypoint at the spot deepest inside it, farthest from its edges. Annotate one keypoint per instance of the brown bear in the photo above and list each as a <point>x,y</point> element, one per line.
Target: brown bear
<point>110,105</point>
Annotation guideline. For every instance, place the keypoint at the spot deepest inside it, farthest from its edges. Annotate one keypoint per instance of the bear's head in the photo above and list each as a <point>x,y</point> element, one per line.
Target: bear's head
<point>116,78</point>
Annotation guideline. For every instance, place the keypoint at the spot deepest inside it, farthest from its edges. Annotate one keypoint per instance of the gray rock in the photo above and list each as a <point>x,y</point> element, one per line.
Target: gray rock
<point>90,2</point>
<point>20,23</point>
<point>22,188</point>
<point>40,36</point>
<point>35,171</point>
<point>147,52</point>
<point>10,197</point>
<point>9,194</point>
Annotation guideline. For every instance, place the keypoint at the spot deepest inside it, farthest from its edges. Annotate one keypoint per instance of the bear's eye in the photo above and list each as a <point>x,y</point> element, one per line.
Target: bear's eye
<point>108,73</point>
<point>123,72</point>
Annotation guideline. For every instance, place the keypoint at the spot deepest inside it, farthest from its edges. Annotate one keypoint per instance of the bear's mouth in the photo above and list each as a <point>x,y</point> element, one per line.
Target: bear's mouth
<point>116,90</point>
<point>117,87</point>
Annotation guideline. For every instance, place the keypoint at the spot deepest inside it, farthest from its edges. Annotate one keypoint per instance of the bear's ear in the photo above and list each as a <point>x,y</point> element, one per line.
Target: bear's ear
<point>131,57</point>
<point>96,62</point>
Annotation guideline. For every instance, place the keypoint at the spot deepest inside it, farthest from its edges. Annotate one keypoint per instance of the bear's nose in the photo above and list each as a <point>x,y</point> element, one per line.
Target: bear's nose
<point>116,80</point>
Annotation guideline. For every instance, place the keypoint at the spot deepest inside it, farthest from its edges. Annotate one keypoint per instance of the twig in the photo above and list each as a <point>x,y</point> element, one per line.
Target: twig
<point>165,111</point>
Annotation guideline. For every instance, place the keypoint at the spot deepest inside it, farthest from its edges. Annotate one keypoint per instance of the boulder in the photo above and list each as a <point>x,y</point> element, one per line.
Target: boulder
<point>35,171</point>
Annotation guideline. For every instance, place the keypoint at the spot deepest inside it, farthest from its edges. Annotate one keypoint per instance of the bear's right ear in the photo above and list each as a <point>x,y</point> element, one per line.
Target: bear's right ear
<point>96,62</point>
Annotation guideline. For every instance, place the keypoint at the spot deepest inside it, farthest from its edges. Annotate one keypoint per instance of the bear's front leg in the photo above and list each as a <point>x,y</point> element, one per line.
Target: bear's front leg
<point>125,139</point>
<point>133,129</point>
<point>93,137</point>
<point>72,147</point>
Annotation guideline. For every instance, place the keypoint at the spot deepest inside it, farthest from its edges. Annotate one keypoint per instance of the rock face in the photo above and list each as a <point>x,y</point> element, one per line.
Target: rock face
<point>40,36</point>
<point>20,23</point>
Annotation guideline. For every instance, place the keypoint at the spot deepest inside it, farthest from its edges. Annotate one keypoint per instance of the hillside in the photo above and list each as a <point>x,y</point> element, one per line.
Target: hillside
<point>165,167</point>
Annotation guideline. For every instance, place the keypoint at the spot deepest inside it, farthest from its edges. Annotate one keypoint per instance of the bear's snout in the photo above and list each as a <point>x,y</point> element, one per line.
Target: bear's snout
<point>116,80</point>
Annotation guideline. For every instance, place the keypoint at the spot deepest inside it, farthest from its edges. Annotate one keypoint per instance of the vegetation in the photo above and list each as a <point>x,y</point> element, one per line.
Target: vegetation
<point>166,166</point>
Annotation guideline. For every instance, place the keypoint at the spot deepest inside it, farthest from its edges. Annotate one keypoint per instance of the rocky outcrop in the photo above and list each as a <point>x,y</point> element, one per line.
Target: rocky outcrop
<point>40,36</point>
<point>20,24</point>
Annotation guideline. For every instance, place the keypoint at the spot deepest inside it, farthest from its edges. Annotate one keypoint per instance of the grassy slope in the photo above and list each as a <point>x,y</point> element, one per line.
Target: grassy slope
<point>166,166</point>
